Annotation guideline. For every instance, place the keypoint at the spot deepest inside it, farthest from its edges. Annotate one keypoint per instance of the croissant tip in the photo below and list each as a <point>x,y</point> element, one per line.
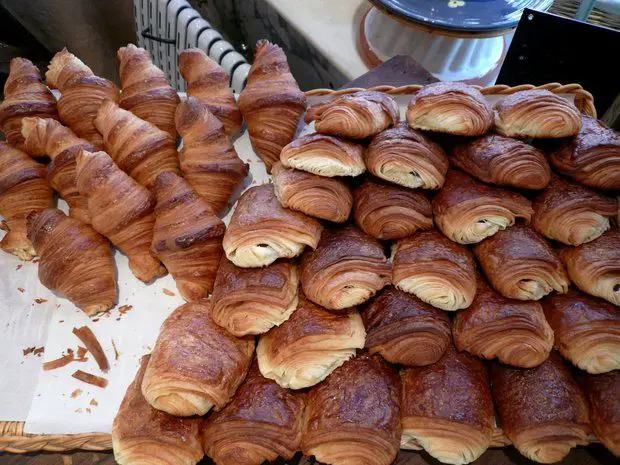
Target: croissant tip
<point>263,44</point>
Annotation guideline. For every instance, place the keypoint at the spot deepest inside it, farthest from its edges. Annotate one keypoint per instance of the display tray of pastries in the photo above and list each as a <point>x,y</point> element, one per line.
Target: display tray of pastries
<point>444,259</point>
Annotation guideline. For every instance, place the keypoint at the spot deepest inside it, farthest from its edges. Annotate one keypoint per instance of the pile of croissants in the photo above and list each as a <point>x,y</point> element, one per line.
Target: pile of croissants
<point>352,299</point>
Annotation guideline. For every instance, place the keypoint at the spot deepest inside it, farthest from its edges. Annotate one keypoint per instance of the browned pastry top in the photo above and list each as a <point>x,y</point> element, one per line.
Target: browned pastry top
<point>403,132</point>
<point>602,391</point>
<point>427,246</point>
<point>574,308</point>
<point>529,96</point>
<point>441,88</point>
<point>593,134</point>
<point>387,102</point>
<point>17,167</point>
<point>603,252</point>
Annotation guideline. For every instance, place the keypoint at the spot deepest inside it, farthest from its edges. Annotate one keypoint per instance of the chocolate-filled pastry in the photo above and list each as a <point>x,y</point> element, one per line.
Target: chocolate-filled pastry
<point>261,230</point>
<point>450,107</point>
<point>347,268</point>
<point>592,157</point>
<point>142,434</point>
<point>405,330</point>
<point>318,196</point>
<point>357,116</point>
<point>254,300</point>
<point>587,330</point>
<point>595,266</point>
<point>263,421</point>
<point>468,211</point>
<point>542,409</point>
<point>447,408</point>
<point>312,343</point>
<point>324,156</point>
<point>538,114</point>
<point>434,269</point>
<point>354,416</point>
<point>571,213</point>
<point>195,365</point>
<point>513,331</point>
<point>390,212</point>
<point>500,160</point>
<point>407,157</point>
<point>520,264</point>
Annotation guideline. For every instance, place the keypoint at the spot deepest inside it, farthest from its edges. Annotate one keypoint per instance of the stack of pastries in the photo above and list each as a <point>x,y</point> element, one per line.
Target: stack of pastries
<point>420,280</point>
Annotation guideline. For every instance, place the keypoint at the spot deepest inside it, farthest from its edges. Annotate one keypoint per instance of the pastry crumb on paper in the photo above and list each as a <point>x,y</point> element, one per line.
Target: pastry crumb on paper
<point>168,292</point>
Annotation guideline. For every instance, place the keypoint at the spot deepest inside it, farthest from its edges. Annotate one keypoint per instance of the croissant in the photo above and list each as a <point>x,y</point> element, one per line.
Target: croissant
<point>390,212</point>
<point>82,94</point>
<point>325,198</point>
<point>542,410</point>
<point>187,236</point>
<point>271,103</point>
<point>208,159</point>
<point>208,82</point>
<point>49,137</point>
<point>450,107</point>
<point>262,422</point>
<point>468,211</point>
<point>122,211</point>
<point>513,331</point>
<point>536,113</point>
<point>347,268</point>
<point>434,269</point>
<point>324,156</point>
<point>447,408</point>
<point>594,267</point>
<point>357,116</point>
<point>254,300</point>
<point>503,161</point>
<point>261,230</point>
<point>23,189</point>
<point>572,214</point>
<point>310,345</point>
<point>75,261</point>
<point>136,146</point>
<point>405,330</point>
<point>354,416</point>
<point>24,95</point>
<point>146,91</point>
<point>519,264</point>
<point>195,365</point>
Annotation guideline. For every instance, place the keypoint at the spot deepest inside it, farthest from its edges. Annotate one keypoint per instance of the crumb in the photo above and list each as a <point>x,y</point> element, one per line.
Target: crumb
<point>95,320</point>
<point>116,352</point>
<point>94,403</point>
<point>28,350</point>
<point>78,410</point>
<point>168,292</point>
<point>57,305</point>
<point>21,289</point>
<point>125,308</point>
<point>81,354</point>
<point>87,410</point>
<point>61,321</point>
<point>40,301</point>
<point>38,351</point>
<point>18,267</point>
<point>76,393</point>
<point>90,378</point>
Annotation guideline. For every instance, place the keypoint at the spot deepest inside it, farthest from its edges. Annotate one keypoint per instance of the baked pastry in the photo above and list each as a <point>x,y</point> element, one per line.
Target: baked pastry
<point>542,410</point>
<point>587,330</point>
<point>513,331</point>
<point>347,268</point>
<point>571,213</point>
<point>450,107</point>
<point>187,236</point>
<point>354,416</point>
<point>519,264</point>
<point>536,113</point>
<point>310,345</point>
<point>325,198</point>
<point>208,159</point>
<point>208,82</point>
<point>434,269</point>
<point>594,267</point>
<point>357,116</point>
<point>195,365</point>
<point>254,300</point>
<point>141,434</point>
<point>263,421</point>
<point>407,157</point>
<point>468,211</point>
<point>24,95</point>
<point>504,161</point>
<point>446,408</point>
<point>405,330</point>
<point>23,189</point>
<point>122,211</point>
<point>261,230</point>
<point>75,261</point>
<point>324,156</point>
<point>146,91</point>
<point>271,103</point>
<point>390,212</point>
